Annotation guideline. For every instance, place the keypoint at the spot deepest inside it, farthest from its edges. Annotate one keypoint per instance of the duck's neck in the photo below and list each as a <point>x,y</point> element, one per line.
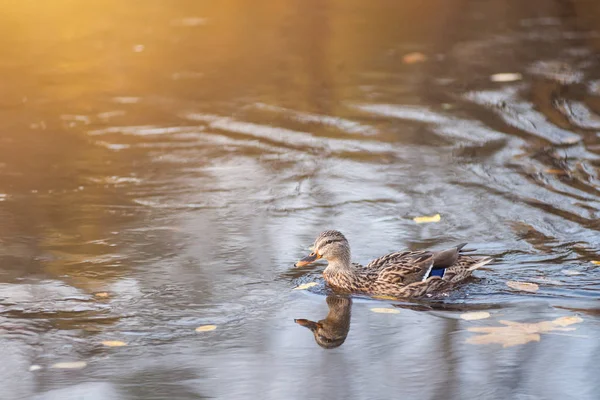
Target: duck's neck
<point>341,265</point>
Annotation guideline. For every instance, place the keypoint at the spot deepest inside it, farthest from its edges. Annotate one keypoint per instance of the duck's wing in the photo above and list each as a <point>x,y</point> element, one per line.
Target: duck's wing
<point>394,258</point>
<point>407,269</point>
<point>441,259</point>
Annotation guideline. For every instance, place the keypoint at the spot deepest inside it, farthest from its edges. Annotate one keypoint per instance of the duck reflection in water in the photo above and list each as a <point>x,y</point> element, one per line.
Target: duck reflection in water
<point>331,332</point>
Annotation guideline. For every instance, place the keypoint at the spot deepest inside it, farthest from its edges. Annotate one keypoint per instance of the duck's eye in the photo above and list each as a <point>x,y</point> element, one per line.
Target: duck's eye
<point>313,254</point>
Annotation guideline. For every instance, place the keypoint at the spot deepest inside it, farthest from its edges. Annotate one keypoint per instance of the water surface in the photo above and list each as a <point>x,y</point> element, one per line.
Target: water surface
<point>163,164</point>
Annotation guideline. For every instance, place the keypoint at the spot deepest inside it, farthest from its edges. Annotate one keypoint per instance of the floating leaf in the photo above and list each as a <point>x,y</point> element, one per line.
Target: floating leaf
<point>566,321</point>
<point>556,172</point>
<point>571,140</point>
<point>516,333</point>
<point>427,219</point>
<point>524,286</point>
<point>383,297</point>
<point>473,316</point>
<point>34,368</point>
<point>102,295</point>
<point>385,310</point>
<point>413,58</point>
<point>69,365</point>
<point>503,336</point>
<point>114,343</point>
<point>506,77</point>
<point>206,328</point>
<point>596,262</point>
<point>306,286</point>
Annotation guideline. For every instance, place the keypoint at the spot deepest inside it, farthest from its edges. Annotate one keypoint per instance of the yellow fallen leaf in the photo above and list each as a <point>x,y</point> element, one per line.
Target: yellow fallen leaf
<point>473,316</point>
<point>596,262</point>
<point>69,365</point>
<point>102,295</point>
<point>114,343</point>
<point>383,297</point>
<point>506,77</point>
<point>413,58</point>
<point>506,339</point>
<point>427,219</point>
<point>524,286</point>
<point>516,333</point>
<point>556,172</point>
<point>385,310</point>
<point>305,286</point>
<point>206,328</point>
<point>566,321</point>
<point>571,140</point>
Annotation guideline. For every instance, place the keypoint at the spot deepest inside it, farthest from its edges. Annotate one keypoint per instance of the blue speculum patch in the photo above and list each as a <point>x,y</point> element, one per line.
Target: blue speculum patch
<point>437,272</point>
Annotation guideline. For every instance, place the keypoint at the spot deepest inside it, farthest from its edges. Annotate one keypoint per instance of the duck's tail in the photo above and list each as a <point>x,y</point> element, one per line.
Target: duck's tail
<point>480,263</point>
<point>464,269</point>
<point>460,247</point>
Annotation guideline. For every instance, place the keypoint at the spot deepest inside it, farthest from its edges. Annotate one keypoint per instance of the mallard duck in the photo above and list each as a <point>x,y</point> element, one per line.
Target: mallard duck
<point>404,274</point>
<point>331,332</point>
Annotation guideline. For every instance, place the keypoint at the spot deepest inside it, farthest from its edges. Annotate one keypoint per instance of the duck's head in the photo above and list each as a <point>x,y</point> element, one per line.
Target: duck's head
<point>330,245</point>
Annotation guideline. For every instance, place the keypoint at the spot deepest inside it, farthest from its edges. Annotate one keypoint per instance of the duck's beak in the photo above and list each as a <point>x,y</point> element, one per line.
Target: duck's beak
<point>307,324</point>
<point>309,259</point>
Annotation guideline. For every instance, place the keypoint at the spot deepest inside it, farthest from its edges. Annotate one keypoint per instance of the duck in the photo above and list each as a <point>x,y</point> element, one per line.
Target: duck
<point>399,275</point>
<point>331,332</point>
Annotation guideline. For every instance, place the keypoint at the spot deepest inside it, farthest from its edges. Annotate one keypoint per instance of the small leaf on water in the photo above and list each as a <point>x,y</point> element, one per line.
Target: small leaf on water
<point>114,343</point>
<point>566,321</point>
<point>596,262</point>
<point>34,368</point>
<point>556,172</point>
<point>427,219</point>
<point>473,316</point>
<point>413,58</point>
<point>385,310</point>
<point>306,286</point>
<point>206,328</point>
<point>571,140</point>
<point>383,297</point>
<point>516,333</point>
<point>524,286</point>
<point>69,365</point>
<point>102,295</point>
<point>506,77</point>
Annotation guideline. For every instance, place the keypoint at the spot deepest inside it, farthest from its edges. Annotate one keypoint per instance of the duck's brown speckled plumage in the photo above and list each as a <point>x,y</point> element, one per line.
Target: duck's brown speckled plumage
<point>403,274</point>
